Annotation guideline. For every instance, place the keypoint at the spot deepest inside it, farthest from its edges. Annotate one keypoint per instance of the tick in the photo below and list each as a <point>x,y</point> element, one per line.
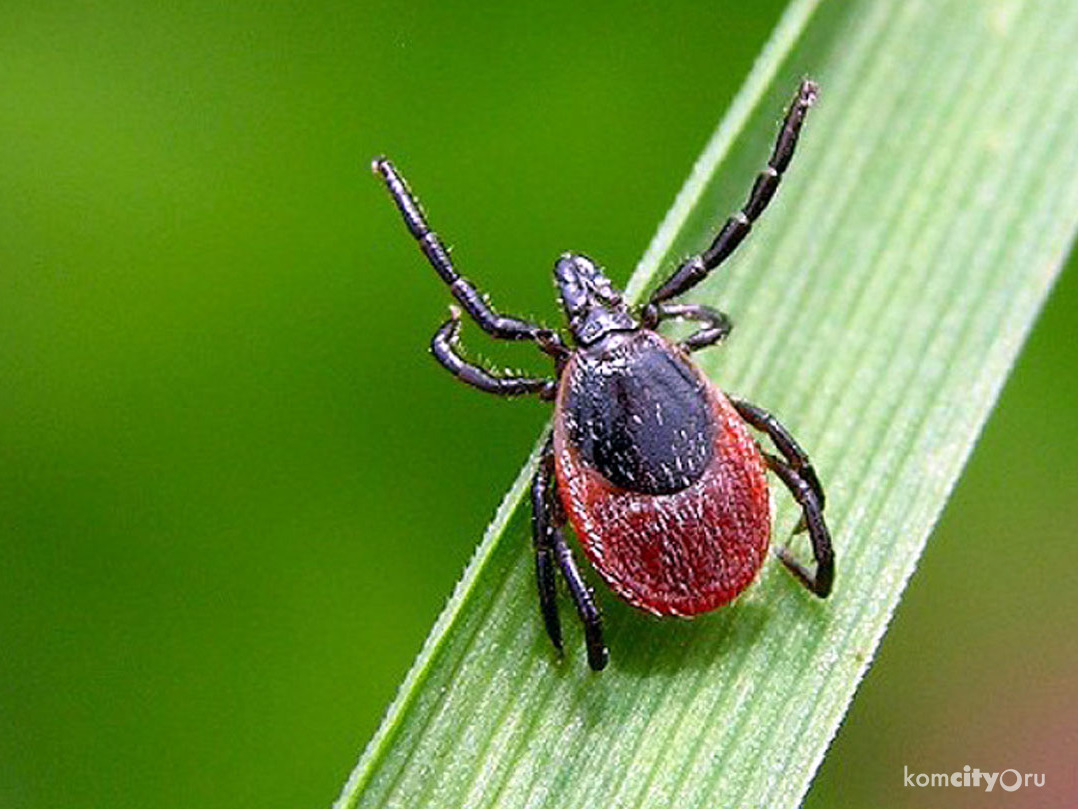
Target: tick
<point>650,462</point>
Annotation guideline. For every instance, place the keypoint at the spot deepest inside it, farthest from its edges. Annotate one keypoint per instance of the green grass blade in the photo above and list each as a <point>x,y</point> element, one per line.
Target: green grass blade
<point>880,304</point>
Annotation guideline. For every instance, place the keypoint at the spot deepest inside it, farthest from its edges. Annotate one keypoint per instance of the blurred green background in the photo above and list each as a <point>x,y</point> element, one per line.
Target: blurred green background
<point>235,491</point>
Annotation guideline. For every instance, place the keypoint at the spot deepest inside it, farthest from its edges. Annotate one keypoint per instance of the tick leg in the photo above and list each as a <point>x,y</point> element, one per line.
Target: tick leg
<point>737,227</point>
<point>543,532</point>
<point>444,347</point>
<point>502,327</point>
<point>795,456</point>
<point>717,324</point>
<point>549,538</point>
<point>598,655</point>
<point>820,581</point>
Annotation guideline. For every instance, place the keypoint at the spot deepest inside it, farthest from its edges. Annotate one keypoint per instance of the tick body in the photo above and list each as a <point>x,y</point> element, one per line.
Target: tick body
<point>659,476</point>
<point>655,468</point>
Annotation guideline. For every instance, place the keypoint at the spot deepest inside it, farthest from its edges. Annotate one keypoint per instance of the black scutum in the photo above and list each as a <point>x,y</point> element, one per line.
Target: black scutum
<point>639,414</point>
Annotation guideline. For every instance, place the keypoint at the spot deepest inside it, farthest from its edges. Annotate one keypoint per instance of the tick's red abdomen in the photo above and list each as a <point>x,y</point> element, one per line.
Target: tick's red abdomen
<point>698,542</point>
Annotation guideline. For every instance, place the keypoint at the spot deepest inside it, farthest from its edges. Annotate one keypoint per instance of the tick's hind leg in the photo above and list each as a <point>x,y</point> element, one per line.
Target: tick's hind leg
<point>590,617</point>
<point>551,549</point>
<point>795,470</point>
<point>789,448</point>
<point>812,510</point>
<point>543,530</point>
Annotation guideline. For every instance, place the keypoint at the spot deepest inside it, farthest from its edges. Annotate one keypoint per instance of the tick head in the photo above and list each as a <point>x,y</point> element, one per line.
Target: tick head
<point>593,305</point>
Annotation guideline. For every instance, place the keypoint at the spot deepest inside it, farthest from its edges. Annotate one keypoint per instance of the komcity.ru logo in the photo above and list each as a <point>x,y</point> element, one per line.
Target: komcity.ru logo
<point>1009,780</point>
